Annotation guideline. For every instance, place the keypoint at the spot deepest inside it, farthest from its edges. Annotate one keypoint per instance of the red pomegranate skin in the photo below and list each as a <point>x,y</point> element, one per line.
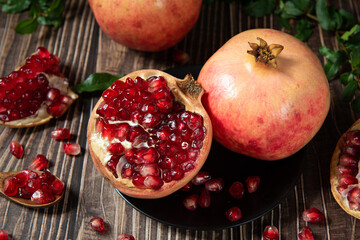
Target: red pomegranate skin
<point>146,25</point>
<point>260,111</point>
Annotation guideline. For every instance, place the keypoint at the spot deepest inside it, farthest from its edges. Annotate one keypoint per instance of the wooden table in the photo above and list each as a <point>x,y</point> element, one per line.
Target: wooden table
<point>84,49</point>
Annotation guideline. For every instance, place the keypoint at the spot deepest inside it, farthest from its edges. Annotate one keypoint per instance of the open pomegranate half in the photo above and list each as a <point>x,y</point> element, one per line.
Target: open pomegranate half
<point>35,92</point>
<point>344,171</point>
<point>149,134</point>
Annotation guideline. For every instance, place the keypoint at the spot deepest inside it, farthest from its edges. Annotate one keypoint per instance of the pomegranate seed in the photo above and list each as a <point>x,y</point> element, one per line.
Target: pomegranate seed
<point>46,178</point>
<point>348,161</point>
<point>4,234</point>
<point>271,233</point>
<point>53,95</point>
<point>306,234</point>
<point>42,196</point>
<point>215,185</point>
<point>153,182</point>
<point>57,187</point>
<point>125,236</point>
<point>204,199</point>
<point>345,181</point>
<point>72,149</point>
<point>354,195</point>
<point>32,185</point>
<point>237,190</point>
<point>234,214</point>
<point>97,224</point>
<point>201,178</point>
<point>60,133</point>
<point>10,187</point>
<point>40,162</point>
<point>190,202</point>
<point>252,183</point>
<point>313,215</point>
<point>16,149</point>
<point>116,148</point>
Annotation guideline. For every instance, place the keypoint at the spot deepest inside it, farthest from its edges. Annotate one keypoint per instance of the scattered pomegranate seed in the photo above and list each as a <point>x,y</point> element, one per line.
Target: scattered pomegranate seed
<point>215,185</point>
<point>252,183</point>
<point>234,214</point>
<point>72,149</point>
<point>237,190</point>
<point>313,215</point>
<point>4,234</point>
<point>61,133</point>
<point>125,236</point>
<point>190,202</point>
<point>201,178</point>
<point>42,196</point>
<point>57,187</point>
<point>97,224</point>
<point>40,162</point>
<point>16,149</point>
<point>204,199</point>
<point>306,234</point>
<point>271,233</point>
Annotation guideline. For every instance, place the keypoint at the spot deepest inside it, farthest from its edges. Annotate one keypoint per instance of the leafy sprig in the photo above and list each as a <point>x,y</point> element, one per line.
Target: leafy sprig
<point>44,12</point>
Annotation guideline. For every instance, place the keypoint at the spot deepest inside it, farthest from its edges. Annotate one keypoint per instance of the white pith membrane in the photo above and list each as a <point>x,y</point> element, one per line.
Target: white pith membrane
<point>99,145</point>
<point>41,116</point>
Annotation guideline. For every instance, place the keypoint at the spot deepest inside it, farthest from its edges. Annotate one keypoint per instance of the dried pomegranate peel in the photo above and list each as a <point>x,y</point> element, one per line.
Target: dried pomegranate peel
<point>149,134</point>
<point>35,92</point>
<point>344,171</point>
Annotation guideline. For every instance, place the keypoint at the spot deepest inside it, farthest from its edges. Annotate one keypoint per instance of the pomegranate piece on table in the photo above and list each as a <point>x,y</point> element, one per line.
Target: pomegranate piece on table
<point>190,202</point>
<point>16,149</point>
<point>35,92</point>
<point>149,134</point>
<point>72,149</point>
<point>306,234</point>
<point>234,214</point>
<point>40,162</point>
<point>237,190</point>
<point>271,233</point>
<point>4,234</point>
<point>313,215</point>
<point>344,171</point>
<point>252,183</point>
<point>60,133</point>
<point>125,236</point>
<point>97,224</point>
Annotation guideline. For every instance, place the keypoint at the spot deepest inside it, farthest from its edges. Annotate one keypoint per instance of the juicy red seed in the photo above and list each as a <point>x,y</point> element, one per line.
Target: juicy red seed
<point>125,236</point>
<point>40,162</point>
<point>60,133</point>
<point>16,149</point>
<point>187,187</point>
<point>42,196</point>
<point>42,52</point>
<point>153,182</point>
<point>348,161</point>
<point>138,181</point>
<point>313,215</point>
<point>344,170</point>
<point>46,177</point>
<point>237,190</point>
<point>53,95</point>
<point>306,234</point>
<point>72,149</point>
<point>116,148</point>
<point>32,185</point>
<point>21,179</point>
<point>204,199</point>
<point>215,185</point>
<point>354,195</point>
<point>56,109</point>
<point>201,178</point>
<point>352,138</point>
<point>97,224</point>
<point>127,171</point>
<point>252,183</point>
<point>4,234</point>
<point>355,206</point>
<point>57,187</point>
<point>10,187</point>
<point>190,202</point>
<point>109,95</point>
<point>347,180</point>
<point>271,233</point>
<point>121,131</point>
<point>234,214</point>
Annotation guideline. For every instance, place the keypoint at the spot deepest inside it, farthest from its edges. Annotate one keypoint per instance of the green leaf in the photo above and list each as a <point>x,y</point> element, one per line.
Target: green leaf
<point>347,34</point>
<point>356,104</point>
<point>349,91</point>
<point>349,19</point>
<point>301,4</point>
<point>336,17</point>
<point>303,29</point>
<point>284,23</point>
<point>334,60</point>
<point>355,57</point>
<point>260,8</point>
<point>15,6</point>
<point>346,77</point>
<point>96,82</point>
<point>323,15</point>
<point>26,26</point>
<point>290,10</point>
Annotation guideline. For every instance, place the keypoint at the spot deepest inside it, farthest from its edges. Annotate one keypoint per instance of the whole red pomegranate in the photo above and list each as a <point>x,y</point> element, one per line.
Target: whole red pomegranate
<point>265,101</point>
<point>146,25</point>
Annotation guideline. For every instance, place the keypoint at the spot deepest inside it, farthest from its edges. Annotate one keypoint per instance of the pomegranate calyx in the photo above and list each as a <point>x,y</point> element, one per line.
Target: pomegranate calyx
<point>265,53</point>
<point>190,87</point>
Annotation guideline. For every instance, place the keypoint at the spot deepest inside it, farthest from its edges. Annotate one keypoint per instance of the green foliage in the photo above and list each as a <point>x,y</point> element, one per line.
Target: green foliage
<point>96,82</point>
<point>44,12</point>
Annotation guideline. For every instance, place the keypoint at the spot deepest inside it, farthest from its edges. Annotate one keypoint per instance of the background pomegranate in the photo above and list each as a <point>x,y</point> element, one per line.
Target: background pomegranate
<point>149,134</point>
<point>261,111</point>
<point>146,25</point>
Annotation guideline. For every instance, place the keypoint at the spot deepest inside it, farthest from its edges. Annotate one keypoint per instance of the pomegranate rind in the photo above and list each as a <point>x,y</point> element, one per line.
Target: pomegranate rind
<point>125,186</point>
<point>334,180</point>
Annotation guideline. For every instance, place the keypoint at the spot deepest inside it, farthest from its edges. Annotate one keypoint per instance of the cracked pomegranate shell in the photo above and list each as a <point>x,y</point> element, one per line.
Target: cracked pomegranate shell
<point>344,171</point>
<point>149,134</point>
<point>35,92</point>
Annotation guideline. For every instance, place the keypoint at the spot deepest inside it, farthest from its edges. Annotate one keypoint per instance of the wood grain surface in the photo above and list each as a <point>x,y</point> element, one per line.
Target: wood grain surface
<point>84,49</point>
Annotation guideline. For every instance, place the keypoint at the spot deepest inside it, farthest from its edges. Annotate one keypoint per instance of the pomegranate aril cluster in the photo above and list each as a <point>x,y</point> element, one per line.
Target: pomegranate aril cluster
<point>152,139</point>
<point>24,91</point>
<point>40,188</point>
<point>348,169</point>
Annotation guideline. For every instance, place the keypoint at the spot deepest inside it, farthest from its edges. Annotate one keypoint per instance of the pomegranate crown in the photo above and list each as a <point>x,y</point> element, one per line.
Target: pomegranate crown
<point>265,53</point>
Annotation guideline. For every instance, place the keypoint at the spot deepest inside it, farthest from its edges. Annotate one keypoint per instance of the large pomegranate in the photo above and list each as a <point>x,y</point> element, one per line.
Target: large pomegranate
<point>146,25</point>
<point>265,101</point>
<point>149,134</point>
<point>344,171</point>
<point>35,93</point>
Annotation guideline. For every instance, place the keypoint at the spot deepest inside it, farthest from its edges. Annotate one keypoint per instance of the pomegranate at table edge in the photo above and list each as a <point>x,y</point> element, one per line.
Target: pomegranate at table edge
<point>146,25</point>
<point>261,110</point>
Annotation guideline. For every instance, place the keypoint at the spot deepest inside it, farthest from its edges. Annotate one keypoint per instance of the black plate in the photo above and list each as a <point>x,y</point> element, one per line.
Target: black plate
<point>277,179</point>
